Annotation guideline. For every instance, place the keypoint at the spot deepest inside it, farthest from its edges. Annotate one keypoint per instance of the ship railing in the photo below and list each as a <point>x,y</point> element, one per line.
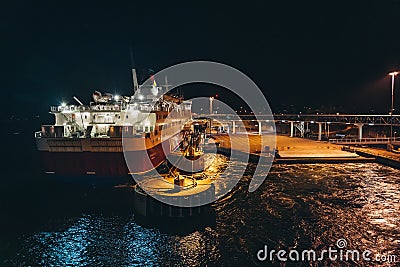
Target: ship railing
<point>143,107</point>
<point>68,108</point>
<point>73,108</point>
<point>364,140</point>
<point>105,107</point>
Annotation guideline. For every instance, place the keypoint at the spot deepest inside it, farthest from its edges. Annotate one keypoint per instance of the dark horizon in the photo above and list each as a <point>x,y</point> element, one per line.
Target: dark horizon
<point>316,55</point>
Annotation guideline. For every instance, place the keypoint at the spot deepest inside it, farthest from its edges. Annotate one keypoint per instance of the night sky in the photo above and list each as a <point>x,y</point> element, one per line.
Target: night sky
<point>325,54</point>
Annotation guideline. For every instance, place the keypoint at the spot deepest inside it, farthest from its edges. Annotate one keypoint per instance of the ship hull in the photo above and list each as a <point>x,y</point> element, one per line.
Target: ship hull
<point>105,164</point>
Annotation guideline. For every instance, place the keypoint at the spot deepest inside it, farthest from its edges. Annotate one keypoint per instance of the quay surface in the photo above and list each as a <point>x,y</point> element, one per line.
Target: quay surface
<point>292,149</point>
<point>382,156</point>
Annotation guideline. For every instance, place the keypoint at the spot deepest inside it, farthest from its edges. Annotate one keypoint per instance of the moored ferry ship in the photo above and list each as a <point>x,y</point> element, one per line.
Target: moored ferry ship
<point>113,136</point>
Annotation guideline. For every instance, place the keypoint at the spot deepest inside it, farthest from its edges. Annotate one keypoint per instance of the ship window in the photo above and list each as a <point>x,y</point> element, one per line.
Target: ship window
<point>119,117</point>
<point>126,116</point>
<point>151,128</point>
<point>85,117</point>
<point>146,128</point>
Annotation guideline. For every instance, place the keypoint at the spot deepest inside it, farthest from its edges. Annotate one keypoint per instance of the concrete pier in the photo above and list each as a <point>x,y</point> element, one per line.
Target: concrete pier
<point>382,156</point>
<point>190,195</point>
<point>291,149</point>
<point>320,131</point>
<point>305,148</point>
<point>360,130</point>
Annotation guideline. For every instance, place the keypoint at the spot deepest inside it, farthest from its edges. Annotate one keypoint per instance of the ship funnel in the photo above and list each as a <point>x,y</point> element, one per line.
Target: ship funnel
<point>135,81</point>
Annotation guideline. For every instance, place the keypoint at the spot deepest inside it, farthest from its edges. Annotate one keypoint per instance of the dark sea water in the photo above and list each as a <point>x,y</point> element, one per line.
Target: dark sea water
<point>45,222</point>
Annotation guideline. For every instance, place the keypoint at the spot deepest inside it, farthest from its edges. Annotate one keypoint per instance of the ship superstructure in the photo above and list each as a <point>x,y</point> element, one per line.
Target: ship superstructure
<point>113,135</point>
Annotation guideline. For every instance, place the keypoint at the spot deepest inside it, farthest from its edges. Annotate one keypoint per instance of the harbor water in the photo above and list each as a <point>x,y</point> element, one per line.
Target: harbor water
<point>45,222</point>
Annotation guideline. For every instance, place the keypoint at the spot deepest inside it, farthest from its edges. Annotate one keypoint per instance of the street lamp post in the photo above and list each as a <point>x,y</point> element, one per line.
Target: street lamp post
<point>393,74</point>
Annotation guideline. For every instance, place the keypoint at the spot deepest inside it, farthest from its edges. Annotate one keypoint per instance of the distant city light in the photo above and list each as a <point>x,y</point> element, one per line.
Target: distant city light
<point>116,97</point>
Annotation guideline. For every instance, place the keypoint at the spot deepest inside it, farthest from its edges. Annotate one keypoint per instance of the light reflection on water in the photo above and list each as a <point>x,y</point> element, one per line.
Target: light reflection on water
<point>98,240</point>
<point>298,206</point>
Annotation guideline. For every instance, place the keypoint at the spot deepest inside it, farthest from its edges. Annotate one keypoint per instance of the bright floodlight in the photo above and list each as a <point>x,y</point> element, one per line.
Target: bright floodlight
<point>116,97</point>
<point>63,104</point>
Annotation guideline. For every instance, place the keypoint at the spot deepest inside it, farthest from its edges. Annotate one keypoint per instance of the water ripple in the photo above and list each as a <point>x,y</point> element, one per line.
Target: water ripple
<point>298,206</point>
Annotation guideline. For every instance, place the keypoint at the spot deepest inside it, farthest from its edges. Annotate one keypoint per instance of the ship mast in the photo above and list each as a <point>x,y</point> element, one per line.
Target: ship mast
<point>135,81</point>
<point>134,76</point>
<point>166,85</point>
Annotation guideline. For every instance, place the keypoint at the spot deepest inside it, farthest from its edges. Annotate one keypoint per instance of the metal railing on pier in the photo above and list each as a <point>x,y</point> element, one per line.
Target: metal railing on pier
<point>366,141</point>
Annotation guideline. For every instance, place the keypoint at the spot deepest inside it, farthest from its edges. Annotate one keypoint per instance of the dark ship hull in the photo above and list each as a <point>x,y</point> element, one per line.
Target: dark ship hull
<point>101,158</point>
